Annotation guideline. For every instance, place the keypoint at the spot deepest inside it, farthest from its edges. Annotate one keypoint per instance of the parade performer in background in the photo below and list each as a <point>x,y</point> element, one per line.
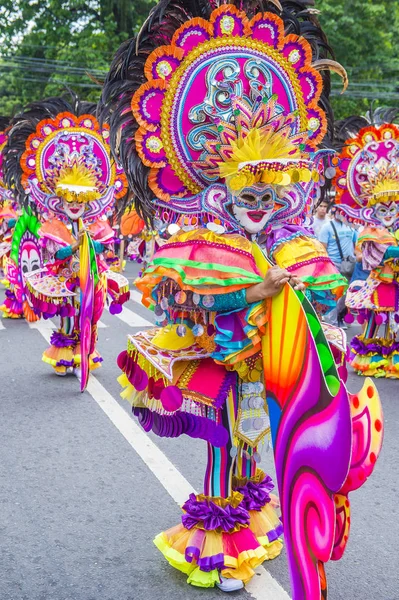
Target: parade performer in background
<point>217,114</point>
<point>367,193</point>
<point>8,208</point>
<point>58,160</point>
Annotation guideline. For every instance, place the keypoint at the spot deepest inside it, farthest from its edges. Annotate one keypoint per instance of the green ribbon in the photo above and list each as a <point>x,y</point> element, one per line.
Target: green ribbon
<point>247,277</point>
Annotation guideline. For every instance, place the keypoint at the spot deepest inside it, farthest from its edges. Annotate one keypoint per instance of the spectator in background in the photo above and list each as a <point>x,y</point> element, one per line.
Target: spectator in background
<point>338,250</point>
<point>320,217</point>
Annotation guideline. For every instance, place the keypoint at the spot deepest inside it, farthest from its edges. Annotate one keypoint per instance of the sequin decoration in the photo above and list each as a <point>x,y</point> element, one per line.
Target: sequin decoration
<point>158,310</point>
<point>161,318</point>
<point>208,301</point>
<point>164,303</point>
<point>181,330</point>
<point>196,299</point>
<point>198,330</point>
<point>180,297</point>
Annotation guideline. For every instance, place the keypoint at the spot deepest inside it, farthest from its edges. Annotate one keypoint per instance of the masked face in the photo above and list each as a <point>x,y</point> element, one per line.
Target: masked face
<point>74,210</point>
<point>254,207</point>
<point>30,260</point>
<point>387,213</point>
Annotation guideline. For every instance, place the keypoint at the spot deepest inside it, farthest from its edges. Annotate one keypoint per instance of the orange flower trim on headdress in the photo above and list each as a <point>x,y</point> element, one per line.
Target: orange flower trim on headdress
<point>368,171</point>
<point>186,129</point>
<point>72,176</point>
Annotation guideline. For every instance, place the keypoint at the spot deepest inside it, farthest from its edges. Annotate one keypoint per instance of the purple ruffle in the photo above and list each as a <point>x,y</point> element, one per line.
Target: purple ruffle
<point>210,516</point>
<point>283,234</point>
<point>61,340</point>
<point>275,534</point>
<point>65,363</point>
<point>363,348</point>
<point>182,423</point>
<point>256,495</point>
<point>207,563</point>
<point>228,382</point>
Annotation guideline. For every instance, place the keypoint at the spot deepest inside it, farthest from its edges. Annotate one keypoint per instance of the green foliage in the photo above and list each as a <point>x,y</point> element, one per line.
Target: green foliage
<point>46,44</point>
<point>363,35</point>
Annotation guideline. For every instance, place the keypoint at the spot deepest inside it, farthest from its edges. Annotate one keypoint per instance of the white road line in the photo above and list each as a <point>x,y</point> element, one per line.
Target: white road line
<point>132,319</point>
<point>1,325</point>
<point>166,473</point>
<point>135,295</point>
<point>101,325</point>
<point>44,325</point>
<point>264,587</point>
<point>261,587</point>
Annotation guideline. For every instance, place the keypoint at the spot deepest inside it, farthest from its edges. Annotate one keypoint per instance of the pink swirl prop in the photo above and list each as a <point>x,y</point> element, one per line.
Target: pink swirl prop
<point>312,519</point>
<point>342,525</point>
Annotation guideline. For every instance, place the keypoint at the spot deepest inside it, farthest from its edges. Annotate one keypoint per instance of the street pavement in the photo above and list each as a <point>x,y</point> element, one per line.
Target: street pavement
<point>84,491</point>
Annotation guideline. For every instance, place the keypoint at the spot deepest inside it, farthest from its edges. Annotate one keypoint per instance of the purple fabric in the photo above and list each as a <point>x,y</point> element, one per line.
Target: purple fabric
<point>182,423</point>
<point>361,348</point>
<point>207,563</point>
<point>65,363</point>
<point>282,234</point>
<point>228,382</point>
<point>256,495</point>
<point>372,255</point>
<point>275,534</point>
<point>61,340</point>
<point>211,516</point>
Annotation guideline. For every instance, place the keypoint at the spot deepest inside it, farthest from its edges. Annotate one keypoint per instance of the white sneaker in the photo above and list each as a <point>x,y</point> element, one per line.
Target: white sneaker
<point>60,373</point>
<point>230,585</point>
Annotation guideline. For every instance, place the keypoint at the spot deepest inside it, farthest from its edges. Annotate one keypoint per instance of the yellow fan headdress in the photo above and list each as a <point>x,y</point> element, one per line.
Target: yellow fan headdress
<point>265,150</point>
<point>77,183</point>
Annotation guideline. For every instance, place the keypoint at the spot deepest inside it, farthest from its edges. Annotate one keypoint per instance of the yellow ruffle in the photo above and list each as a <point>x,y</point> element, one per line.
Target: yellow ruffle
<point>176,559</point>
<point>173,543</point>
<point>297,250</point>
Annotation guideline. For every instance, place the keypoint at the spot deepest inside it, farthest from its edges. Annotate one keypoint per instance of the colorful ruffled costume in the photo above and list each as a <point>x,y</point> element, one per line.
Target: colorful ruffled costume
<point>61,165</point>
<point>367,184</point>
<point>8,209</point>
<point>225,110</point>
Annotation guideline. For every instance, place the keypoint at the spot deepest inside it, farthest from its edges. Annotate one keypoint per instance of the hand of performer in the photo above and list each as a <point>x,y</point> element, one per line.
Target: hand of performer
<point>79,241</point>
<point>272,285</point>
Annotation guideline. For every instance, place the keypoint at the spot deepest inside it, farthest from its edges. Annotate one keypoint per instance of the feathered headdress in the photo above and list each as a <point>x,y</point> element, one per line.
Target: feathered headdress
<point>184,95</point>
<point>368,164</point>
<point>56,150</point>
<point>5,194</point>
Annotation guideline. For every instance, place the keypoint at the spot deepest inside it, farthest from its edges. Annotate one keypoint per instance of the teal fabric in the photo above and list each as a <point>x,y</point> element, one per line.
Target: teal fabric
<point>391,252</point>
<point>11,223</point>
<point>227,302</point>
<point>63,253</point>
<point>98,247</point>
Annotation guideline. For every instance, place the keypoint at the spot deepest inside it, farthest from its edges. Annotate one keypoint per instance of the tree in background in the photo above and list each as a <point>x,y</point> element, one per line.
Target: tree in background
<point>48,43</point>
<point>364,36</point>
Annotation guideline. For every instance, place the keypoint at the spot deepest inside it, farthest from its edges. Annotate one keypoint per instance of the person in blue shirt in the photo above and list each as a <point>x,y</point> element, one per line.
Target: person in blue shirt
<point>347,238</point>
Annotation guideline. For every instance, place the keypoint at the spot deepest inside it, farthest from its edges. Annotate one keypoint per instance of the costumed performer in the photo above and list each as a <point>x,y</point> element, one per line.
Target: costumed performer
<point>58,160</point>
<point>367,193</point>
<point>8,207</point>
<point>216,114</point>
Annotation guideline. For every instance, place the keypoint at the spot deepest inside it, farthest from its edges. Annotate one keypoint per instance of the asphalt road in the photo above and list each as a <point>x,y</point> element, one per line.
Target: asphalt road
<point>79,507</point>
